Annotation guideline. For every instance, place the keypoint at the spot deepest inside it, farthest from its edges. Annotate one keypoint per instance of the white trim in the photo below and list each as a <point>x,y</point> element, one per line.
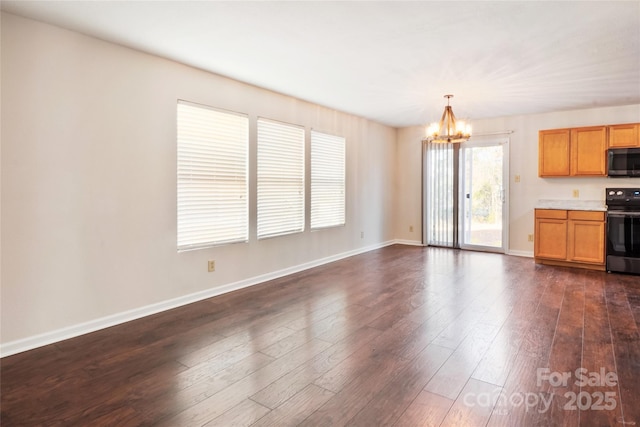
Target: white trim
<point>57,335</point>
<point>502,132</point>
<point>476,135</point>
<point>527,254</point>
<point>408,242</point>
<point>504,142</point>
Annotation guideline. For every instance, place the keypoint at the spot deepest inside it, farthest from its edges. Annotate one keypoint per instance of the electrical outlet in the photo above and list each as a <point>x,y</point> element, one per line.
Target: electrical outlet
<point>576,193</point>
<point>530,237</point>
<point>411,229</point>
<point>517,178</point>
<point>211,266</point>
<point>362,234</point>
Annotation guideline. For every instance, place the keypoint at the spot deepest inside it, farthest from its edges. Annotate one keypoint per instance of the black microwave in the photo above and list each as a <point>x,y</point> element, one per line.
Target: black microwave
<point>623,162</point>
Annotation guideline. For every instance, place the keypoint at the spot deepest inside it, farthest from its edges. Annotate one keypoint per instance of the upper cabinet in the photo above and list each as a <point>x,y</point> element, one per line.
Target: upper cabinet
<point>573,152</point>
<point>624,136</point>
<point>589,151</point>
<point>553,152</point>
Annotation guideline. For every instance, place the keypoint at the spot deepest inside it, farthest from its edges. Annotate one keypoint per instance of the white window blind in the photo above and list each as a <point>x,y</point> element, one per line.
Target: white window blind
<point>280,178</point>
<point>327,180</point>
<point>212,176</point>
<point>440,194</point>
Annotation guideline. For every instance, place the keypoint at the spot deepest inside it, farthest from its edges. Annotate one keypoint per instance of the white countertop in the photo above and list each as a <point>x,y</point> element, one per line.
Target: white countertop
<point>572,205</point>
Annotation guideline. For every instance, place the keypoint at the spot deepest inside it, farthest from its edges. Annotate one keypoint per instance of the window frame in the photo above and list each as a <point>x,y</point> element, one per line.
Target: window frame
<point>317,137</point>
<point>201,173</point>
<point>271,169</point>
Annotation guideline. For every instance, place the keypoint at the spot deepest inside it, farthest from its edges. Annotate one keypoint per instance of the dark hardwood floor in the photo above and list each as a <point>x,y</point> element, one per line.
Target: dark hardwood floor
<point>401,336</point>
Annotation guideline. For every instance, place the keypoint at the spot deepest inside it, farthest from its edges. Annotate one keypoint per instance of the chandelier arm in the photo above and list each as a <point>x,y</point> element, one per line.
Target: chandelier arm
<point>451,125</point>
<point>442,121</point>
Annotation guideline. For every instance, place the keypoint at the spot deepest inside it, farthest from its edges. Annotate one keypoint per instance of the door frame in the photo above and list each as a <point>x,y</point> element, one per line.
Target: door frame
<point>487,142</point>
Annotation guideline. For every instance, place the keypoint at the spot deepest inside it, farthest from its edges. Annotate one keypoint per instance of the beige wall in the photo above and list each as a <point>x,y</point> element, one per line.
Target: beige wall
<point>88,200</point>
<point>409,176</point>
<point>523,161</point>
<point>89,183</point>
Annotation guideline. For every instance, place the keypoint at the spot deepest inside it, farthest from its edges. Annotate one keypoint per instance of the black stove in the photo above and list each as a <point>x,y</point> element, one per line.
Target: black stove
<point>623,230</point>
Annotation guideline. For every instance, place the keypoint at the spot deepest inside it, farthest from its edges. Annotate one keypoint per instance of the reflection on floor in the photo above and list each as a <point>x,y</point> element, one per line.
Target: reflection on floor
<point>402,336</point>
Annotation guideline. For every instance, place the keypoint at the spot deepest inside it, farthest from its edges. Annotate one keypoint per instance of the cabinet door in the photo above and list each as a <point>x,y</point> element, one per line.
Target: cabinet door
<point>553,152</point>
<point>586,241</point>
<point>622,136</point>
<point>589,151</point>
<point>551,239</point>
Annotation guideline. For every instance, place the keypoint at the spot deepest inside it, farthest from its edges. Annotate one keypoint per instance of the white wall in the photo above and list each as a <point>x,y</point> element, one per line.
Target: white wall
<point>523,153</point>
<point>88,201</point>
<point>409,176</point>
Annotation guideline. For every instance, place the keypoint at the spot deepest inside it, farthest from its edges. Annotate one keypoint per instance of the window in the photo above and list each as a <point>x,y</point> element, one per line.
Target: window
<point>327,180</point>
<point>212,176</point>
<point>280,178</point>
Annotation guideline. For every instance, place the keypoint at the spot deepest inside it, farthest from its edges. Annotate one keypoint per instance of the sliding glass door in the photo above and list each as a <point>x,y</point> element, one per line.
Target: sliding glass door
<point>441,204</point>
<point>464,190</point>
<point>483,196</point>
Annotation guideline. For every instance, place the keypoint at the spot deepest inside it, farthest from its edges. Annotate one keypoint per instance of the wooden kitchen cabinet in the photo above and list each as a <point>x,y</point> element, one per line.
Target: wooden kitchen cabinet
<point>551,234</point>
<point>570,238</point>
<point>589,151</point>
<point>554,149</point>
<point>624,136</point>
<point>573,152</point>
<point>586,231</point>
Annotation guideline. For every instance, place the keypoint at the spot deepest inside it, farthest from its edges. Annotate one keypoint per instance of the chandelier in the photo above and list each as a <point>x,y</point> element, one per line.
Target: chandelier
<point>448,130</point>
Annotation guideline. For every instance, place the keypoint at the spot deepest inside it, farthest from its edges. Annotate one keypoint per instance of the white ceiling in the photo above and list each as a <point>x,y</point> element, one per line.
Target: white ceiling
<point>388,61</point>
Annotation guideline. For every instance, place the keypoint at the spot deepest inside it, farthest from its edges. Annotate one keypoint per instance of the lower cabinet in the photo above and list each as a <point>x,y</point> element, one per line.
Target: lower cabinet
<point>571,238</point>
<point>551,234</point>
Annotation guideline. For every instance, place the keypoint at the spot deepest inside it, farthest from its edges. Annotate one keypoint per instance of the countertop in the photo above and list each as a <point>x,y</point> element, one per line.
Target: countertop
<point>572,205</point>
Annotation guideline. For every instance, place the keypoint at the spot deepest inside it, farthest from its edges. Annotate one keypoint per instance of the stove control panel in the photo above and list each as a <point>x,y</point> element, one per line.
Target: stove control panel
<point>622,196</point>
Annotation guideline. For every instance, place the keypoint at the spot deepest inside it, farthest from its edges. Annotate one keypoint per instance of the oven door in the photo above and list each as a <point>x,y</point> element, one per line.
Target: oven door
<point>623,242</point>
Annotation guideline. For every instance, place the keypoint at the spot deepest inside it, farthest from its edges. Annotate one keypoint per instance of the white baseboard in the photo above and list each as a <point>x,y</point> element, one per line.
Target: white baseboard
<point>526,254</point>
<point>29,343</point>
<point>408,242</point>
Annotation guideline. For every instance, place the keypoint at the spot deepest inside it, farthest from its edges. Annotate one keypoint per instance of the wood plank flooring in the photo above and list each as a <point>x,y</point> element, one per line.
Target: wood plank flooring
<point>401,336</point>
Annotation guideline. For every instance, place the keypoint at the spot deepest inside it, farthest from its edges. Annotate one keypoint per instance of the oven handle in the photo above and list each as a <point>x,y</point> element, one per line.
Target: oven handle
<point>623,214</point>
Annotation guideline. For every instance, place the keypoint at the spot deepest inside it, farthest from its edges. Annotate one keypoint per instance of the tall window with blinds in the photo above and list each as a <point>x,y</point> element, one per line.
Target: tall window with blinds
<point>280,178</point>
<point>327,180</point>
<point>212,176</point>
